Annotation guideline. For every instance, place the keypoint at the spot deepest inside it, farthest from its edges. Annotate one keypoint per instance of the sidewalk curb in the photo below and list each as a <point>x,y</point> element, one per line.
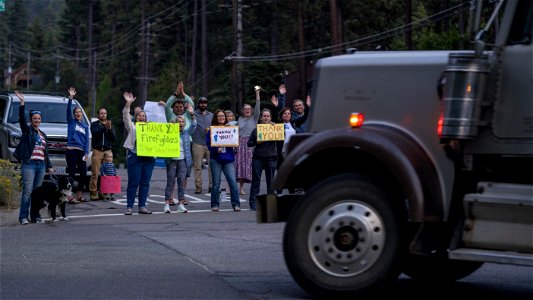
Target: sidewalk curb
<point>9,217</point>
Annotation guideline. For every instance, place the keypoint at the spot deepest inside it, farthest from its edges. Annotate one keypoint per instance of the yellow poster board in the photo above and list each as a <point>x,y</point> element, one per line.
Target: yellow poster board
<point>269,132</point>
<point>224,136</point>
<point>158,139</point>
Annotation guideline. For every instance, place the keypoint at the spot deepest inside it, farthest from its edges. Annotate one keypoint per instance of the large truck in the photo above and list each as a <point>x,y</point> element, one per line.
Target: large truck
<point>416,162</point>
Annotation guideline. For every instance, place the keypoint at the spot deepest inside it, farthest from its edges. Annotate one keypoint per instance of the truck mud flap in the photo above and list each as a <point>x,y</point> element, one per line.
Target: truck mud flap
<point>272,208</point>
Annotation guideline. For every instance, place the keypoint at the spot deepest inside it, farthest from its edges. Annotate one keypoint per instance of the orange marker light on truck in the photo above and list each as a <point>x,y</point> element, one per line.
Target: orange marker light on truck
<point>440,124</point>
<point>356,119</point>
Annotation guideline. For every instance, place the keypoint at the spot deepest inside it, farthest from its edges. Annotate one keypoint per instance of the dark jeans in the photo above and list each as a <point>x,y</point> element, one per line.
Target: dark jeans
<point>258,165</point>
<point>76,164</point>
<point>140,169</point>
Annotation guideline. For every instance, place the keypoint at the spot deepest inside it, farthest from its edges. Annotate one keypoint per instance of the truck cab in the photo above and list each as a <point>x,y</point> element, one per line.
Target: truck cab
<point>416,162</point>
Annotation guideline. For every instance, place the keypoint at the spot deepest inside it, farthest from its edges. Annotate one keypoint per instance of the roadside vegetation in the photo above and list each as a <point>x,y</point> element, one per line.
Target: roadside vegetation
<point>10,185</point>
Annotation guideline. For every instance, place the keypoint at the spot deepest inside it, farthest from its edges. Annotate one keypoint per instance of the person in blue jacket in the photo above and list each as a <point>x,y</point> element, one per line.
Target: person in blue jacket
<point>77,148</point>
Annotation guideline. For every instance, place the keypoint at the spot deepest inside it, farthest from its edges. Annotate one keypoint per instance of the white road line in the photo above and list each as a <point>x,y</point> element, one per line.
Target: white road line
<point>154,212</point>
<point>122,201</point>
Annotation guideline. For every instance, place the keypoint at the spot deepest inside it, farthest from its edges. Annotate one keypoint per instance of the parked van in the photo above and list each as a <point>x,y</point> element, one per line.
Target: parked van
<point>54,124</point>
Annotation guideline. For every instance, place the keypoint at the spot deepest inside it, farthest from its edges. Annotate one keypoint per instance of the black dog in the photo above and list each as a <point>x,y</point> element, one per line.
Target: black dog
<point>55,193</point>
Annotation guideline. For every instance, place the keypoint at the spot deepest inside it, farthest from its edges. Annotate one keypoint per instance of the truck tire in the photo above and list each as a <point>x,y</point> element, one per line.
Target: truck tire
<point>438,269</point>
<point>343,238</point>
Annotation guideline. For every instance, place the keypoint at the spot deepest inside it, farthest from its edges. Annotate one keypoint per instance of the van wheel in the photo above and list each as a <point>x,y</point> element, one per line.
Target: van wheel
<point>343,238</point>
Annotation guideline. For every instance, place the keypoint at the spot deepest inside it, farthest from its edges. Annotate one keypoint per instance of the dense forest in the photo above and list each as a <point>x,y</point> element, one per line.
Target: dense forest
<point>220,49</point>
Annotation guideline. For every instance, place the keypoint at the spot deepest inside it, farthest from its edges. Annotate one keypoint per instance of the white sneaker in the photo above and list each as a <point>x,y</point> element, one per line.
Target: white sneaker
<point>166,209</point>
<point>181,208</point>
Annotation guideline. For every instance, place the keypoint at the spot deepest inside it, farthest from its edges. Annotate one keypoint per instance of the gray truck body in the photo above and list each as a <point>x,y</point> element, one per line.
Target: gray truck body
<point>403,192</point>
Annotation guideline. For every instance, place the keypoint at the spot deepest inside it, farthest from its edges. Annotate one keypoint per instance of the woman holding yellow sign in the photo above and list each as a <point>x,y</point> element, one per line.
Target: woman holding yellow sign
<point>265,156</point>
<point>222,159</point>
<point>140,168</point>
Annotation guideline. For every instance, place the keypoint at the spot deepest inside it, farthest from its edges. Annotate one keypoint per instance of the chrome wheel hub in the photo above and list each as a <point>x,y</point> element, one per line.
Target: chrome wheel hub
<point>346,238</point>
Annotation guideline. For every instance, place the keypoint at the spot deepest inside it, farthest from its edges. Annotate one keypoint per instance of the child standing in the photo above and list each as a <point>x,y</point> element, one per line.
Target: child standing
<point>178,167</point>
<point>108,169</point>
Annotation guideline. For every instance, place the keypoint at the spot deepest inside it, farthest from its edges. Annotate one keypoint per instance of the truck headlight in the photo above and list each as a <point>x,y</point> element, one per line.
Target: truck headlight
<point>14,140</point>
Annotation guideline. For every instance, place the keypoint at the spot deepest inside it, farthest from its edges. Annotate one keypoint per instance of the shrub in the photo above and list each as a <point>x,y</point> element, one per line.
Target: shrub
<point>10,184</point>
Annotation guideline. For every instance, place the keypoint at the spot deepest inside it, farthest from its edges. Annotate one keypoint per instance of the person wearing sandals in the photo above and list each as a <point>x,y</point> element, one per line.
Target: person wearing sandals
<point>140,168</point>
<point>77,147</point>
<point>32,153</point>
<point>222,159</point>
<point>247,122</point>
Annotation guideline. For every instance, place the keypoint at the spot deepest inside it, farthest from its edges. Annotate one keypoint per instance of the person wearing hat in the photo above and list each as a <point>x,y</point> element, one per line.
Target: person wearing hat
<point>32,153</point>
<point>199,147</point>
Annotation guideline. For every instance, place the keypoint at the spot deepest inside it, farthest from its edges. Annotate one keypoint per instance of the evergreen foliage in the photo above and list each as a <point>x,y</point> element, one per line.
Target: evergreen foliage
<point>57,33</point>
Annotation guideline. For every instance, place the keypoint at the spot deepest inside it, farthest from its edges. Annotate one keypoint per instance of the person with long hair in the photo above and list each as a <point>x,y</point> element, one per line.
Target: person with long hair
<point>264,158</point>
<point>77,147</point>
<point>140,168</point>
<point>247,122</point>
<point>222,159</point>
<point>32,152</point>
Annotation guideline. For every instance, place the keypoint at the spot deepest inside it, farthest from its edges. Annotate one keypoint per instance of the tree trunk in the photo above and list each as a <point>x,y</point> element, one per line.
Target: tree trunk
<point>192,80</point>
<point>408,29</point>
<point>274,28</point>
<point>237,66</point>
<point>204,50</point>
<point>334,27</point>
<point>301,46</point>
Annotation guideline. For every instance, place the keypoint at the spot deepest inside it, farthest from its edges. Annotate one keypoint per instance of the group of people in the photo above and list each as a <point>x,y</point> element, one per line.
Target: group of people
<point>32,152</point>
<point>240,165</point>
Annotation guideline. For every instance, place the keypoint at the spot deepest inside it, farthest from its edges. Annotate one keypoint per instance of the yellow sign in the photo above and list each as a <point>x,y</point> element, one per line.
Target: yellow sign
<point>269,132</point>
<point>158,139</point>
<point>224,136</point>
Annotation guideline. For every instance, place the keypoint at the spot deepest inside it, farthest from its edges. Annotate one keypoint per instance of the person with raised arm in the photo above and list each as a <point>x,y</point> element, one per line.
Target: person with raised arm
<point>140,168</point>
<point>32,153</point>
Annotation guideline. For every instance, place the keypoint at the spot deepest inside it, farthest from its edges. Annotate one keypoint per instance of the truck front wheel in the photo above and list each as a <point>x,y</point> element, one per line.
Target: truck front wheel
<point>343,238</point>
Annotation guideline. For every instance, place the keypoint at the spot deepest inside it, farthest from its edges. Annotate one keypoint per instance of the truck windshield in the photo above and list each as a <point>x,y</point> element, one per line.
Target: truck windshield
<point>50,112</point>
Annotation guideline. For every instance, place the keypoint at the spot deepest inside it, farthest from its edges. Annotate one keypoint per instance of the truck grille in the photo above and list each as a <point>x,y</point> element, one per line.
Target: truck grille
<point>57,145</point>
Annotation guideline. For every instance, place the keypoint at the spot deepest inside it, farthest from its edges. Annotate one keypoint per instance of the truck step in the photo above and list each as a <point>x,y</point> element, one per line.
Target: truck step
<point>504,257</point>
<point>499,217</point>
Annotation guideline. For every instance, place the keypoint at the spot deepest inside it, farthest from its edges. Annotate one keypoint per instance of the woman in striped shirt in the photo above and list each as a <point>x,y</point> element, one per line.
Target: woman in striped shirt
<point>32,152</point>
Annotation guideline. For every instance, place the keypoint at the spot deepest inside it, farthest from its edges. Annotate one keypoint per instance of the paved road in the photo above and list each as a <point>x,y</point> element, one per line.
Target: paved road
<point>102,254</point>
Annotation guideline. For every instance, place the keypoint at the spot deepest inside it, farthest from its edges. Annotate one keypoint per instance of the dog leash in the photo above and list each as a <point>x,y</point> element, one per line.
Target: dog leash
<point>53,178</point>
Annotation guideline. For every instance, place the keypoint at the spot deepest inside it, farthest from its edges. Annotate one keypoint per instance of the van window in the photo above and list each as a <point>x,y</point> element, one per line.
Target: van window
<point>51,112</point>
